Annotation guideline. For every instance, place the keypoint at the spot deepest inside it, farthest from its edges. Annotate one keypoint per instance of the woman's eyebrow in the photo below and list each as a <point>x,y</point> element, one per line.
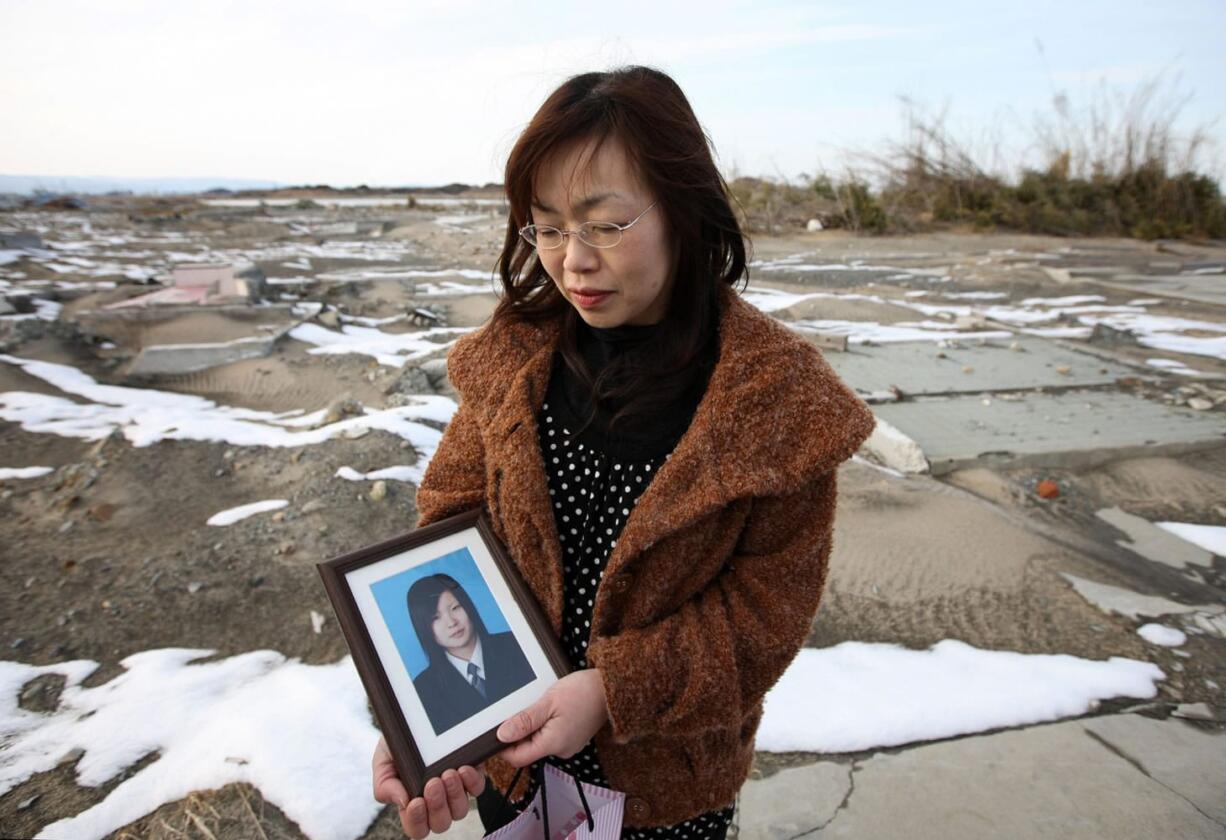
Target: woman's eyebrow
<point>586,204</point>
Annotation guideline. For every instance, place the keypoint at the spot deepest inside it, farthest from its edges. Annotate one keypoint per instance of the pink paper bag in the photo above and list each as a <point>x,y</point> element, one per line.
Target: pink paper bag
<point>567,816</point>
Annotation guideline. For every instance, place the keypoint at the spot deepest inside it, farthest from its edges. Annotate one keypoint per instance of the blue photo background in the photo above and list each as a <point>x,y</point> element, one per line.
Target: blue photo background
<point>390,594</point>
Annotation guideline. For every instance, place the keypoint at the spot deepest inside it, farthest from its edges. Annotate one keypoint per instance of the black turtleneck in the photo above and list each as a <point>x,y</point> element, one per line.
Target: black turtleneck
<point>642,438</point>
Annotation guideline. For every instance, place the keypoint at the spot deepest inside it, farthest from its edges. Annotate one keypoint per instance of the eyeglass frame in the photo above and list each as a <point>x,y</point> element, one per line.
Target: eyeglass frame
<point>579,232</point>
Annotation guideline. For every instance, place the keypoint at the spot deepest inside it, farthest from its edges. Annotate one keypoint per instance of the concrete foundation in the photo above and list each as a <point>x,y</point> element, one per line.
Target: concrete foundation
<point>922,368</point>
<point>1076,428</point>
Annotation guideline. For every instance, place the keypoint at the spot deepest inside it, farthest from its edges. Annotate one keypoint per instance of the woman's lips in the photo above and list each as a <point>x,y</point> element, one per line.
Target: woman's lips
<point>457,634</point>
<point>590,300</point>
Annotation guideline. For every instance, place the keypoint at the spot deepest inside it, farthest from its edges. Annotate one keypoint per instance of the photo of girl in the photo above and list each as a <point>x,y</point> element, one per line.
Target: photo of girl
<point>469,667</point>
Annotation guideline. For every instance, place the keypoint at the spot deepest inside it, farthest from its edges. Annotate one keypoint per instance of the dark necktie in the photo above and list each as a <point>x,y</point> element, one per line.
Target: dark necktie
<point>477,682</point>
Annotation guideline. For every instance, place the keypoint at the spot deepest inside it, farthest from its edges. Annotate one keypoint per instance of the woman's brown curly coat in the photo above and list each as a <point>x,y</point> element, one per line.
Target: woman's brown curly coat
<point>712,586</point>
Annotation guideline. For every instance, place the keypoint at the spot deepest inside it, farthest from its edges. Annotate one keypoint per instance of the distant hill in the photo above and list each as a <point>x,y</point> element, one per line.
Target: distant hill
<point>27,184</point>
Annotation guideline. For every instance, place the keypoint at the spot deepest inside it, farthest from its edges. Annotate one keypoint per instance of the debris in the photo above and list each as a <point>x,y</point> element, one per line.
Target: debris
<point>419,317</point>
<point>203,283</point>
<point>317,621</point>
<point>21,241</point>
<point>1193,711</point>
<point>378,491</point>
<point>1047,489</point>
<point>1063,370</point>
<point>890,447</point>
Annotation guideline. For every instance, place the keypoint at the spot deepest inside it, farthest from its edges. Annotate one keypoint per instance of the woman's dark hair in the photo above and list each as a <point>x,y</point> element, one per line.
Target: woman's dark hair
<point>647,113</point>
<point>423,598</point>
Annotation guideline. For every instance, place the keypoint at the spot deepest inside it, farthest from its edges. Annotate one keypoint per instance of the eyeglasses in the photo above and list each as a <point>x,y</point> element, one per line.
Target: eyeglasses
<point>596,234</point>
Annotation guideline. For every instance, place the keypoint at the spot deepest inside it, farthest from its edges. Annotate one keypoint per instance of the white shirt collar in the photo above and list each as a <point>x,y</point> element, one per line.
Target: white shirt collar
<point>462,664</point>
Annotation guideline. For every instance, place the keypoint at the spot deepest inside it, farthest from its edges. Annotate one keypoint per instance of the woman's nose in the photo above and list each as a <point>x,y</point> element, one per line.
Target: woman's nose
<point>580,256</point>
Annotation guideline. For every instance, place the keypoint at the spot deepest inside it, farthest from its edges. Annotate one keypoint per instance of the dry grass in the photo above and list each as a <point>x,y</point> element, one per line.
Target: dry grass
<point>1119,165</point>
<point>236,810</point>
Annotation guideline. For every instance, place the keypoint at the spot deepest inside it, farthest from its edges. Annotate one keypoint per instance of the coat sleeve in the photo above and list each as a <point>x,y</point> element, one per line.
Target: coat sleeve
<point>709,664</point>
<point>454,480</point>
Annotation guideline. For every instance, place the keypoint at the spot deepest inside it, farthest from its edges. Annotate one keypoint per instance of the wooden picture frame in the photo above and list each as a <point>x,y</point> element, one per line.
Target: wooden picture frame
<point>431,717</point>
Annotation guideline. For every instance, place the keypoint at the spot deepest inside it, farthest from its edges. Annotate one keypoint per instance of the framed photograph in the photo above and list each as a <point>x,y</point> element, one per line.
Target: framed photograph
<point>447,638</point>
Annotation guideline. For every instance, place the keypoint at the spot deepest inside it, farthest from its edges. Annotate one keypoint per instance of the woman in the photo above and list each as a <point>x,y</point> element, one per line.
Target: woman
<point>468,667</point>
<point>620,371</point>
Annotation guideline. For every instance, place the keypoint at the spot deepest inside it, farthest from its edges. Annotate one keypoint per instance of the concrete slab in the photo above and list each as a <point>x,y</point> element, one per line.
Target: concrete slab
<point>792,802</point>
<point>919,368</point>
<point>1203,288</point>
<point>1153,543</point>
<point>1131,604</point>
<point>1077,428</point>
<point>1186,759</point>
<point>1058,780</point>
<point>162,359</point>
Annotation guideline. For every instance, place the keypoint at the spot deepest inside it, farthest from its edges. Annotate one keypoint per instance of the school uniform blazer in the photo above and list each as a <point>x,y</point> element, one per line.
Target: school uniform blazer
<point>450,699</point>
<point>714,582</point>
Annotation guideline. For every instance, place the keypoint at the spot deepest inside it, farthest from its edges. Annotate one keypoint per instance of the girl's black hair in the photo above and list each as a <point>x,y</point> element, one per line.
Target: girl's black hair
<point>422,599</point>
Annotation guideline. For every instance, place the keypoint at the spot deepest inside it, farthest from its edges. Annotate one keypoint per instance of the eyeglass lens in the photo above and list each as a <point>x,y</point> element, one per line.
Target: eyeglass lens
<point>596,234</point>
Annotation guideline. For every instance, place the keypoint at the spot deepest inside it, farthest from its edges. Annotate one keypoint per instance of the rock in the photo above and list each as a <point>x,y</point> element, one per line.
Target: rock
<point>317,621</point>
<point>970,322</point>
<point>1063,370</point>
<point>340,408</point>
<point>329,318</point>
<point>412,380</point>
<point>1047,489</point>
<point>435,370</point>
<point>355,432</point>
<point>1110,336</point>
<point>42,694</point>
<point>312,506</point>
<point>195,586</point>
<point>1200,403</point>
<point>813,225</point>
<point>378,491</point>
<point>101,512</point>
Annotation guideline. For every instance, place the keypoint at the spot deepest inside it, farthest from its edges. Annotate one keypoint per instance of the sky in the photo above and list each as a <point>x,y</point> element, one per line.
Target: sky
<point>395,92</point>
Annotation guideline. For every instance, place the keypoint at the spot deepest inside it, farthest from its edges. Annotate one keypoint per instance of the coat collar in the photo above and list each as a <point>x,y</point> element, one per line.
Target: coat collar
<point>774,416</point>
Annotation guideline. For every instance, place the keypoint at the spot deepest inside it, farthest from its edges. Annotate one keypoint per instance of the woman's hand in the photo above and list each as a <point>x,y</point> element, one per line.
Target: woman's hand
<point>445,799</point>
<point>566,717</point>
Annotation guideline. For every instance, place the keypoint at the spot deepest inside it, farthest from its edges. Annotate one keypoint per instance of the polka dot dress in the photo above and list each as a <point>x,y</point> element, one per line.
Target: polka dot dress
<point>592,494</point>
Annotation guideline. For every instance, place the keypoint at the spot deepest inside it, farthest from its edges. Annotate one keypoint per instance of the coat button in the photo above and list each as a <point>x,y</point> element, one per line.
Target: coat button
<point>637,807</point>
<point>621,583</point>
